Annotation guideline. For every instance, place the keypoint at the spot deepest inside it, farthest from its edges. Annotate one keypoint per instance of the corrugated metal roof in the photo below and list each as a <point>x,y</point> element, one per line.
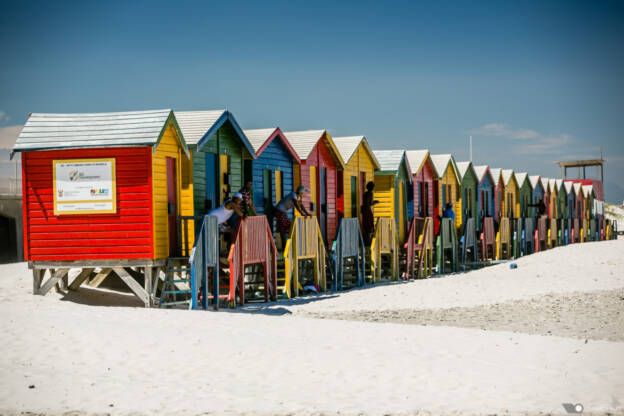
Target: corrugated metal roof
<point>481,170</point>
<point>496,174</point>
<point>389,160</point>
<point>507,175</point>
<point>552,184</point>
<point>304,141</point>
<point>195,124</point>
<point>535,180</point>
<point>416,158</point>
<point>201,125</point>
<point>521,177</point>
<point>463,167</point>
<point>44,131</point>
<point>347,146</point>
<point>440,162</point>
<point>578,188</point>
<point>257,137</point>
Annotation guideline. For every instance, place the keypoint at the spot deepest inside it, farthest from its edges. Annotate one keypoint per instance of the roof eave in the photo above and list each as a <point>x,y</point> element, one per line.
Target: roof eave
<point>227,116</point>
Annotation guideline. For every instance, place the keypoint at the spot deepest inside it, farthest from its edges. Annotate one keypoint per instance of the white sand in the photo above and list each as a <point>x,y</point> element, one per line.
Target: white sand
<point>85,358</point>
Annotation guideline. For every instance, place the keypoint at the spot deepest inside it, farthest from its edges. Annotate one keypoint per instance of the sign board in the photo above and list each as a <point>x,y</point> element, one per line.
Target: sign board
<point>84,186</point>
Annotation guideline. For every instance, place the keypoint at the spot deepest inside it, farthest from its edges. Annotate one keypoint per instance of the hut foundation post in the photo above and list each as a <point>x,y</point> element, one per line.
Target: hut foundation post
<point>133,285</point>
<point>84,274</point>
<point>53,280</point>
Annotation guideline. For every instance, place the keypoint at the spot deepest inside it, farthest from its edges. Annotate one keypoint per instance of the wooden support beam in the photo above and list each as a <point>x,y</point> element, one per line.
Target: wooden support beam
<point>99,278</point>
<point>84,274</point>
<point>58,275</point>
<point>147,283</point>
<point>37,278</point>
<point>133,285</point>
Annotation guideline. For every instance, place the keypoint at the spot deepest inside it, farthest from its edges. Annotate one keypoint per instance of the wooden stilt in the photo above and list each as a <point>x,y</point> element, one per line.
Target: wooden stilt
<point>133,285</point>
<point>84,274</point>
<point>37,278</point>
<point>53,280</point>
<point>99,278</point>
<point>147,284</point>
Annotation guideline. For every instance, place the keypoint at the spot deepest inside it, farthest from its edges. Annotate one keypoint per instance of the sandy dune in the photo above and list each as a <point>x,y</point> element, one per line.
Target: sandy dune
<point>128,360</point>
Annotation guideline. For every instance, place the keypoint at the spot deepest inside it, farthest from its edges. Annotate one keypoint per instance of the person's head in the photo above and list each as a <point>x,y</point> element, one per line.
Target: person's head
<point>301,190</point>
<point>248,185</point>
<point>448,205</point>
<point>370,186</point>
<point>237,197</point>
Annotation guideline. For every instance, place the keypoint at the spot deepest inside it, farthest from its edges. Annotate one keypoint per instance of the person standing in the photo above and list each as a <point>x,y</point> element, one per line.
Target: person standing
<point>292,200</point>
<point>368,220</point>
<point>247,204</point>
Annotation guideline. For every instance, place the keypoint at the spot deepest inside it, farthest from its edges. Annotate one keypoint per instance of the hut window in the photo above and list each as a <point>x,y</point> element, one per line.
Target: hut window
<point>426,200</point>
<point>469,204</point>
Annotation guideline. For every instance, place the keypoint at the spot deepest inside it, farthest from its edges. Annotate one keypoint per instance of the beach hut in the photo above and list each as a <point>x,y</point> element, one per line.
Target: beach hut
<point>272,170</point>
<point>546,183</point>
<point>219,148</point>
<point>321,172</point>
<point>391,184</point>
<point>570,199</point>
<point>510,204</point>
<point>468,191</point>
<point>553,199</point>
<point>103,191</point>
<point>360,167</point>
<point>562,199</point>
<point>525,192</point>
<point>448,186</point>
<point>424,183</point>
<point>485,193</point>
<point>499,192</point>
<point>537,193</point>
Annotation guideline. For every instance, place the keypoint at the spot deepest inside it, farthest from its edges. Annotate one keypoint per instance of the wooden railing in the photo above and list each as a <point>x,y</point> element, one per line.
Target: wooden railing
<point>488,240</point>
<point>253,244</point>
<point>542,234</point>
<point>419,249</point>
<point>553,237</point>
<point>503,239</point>
<point>204,260</point>
<point>188,229</point>
<point>446,246</point>
<point>305,242</point>
<point>349,244</point>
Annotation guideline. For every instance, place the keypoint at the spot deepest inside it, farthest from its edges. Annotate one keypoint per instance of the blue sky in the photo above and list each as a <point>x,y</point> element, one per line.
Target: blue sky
<point>533,82</point>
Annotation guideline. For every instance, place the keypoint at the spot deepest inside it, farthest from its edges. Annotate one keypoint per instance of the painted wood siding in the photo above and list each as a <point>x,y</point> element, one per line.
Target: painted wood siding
<point>486,185</point>
<point>168,147</point>
<point>384,193</point>
<point>126,234</point>
<point>449,179</point>
<point>511,190</point>
<point>400,201</point>
<point>538,193</point>
<point>424,176</point>
<point>321,157</point>
<point>361,161</point>
<point>468,182</point>
<point>274,158</point>
<point>524,198</point>
<point>227,142</point>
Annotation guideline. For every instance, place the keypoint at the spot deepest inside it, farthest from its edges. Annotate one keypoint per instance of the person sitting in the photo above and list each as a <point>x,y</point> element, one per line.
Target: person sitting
<point>448,211</point>
<point>247,205</point>
<point>292,200</point>
<point>225,212</point>
<point>368,220</point>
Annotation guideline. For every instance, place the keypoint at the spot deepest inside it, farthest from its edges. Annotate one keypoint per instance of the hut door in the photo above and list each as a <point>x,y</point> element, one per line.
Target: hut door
<point>354,198</point>
<point>401,219</point>
<point>211,181</point>
<point>267,190</point>
<point>362,191</point>
<point>322,192</point>
<point>172,205</point>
